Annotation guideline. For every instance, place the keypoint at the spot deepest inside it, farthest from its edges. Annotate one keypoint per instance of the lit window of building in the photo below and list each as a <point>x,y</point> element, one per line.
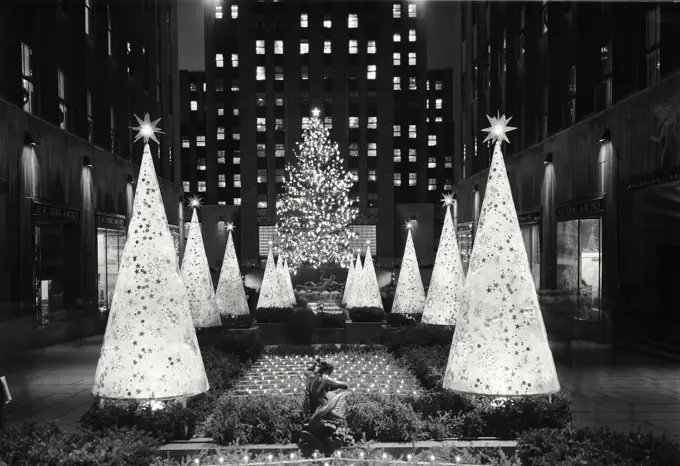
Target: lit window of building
<point>411,59</point>
<point>261,125</point>
<point>355,176</point>
<point>431,162</point>
<point>200,141</point>
<point>438,86</point>
<point>202,186</point>
<point>397,83</point>
<point>237,180</point>
<point>221,180</point>
<point>194,106</point>
<point>411,10</point>
<point>447,185</point>
<point>397,179</point>
<point>259,73</point>
<point>411,35</point>
<point>279,101</point>
<point>353,122</point>
<point>372,122</point>
<point>261,150</point>
<point>278,73</point>
<point>396,59</point>
<point>222,202</point>
<point>412,179</point>
<point>448,161</point>
<point>397,155</point>
<point>219,60</point>
<point>352,21</point>
<point>259,47</point>
<point>185,144</point>
<point>279,124</point>
<point>396,10</point>
<point>280,176</point>
<point>187,186</point>
<point>431,140</point>
<point>432,184</point>
<point>412,131</point>
<point>412,86</point>
<point>412,156</point>
<point>236,136</point>
<point>438,119</point>
<point>327,23</point>
<point>304,20</point>
<point>218,11</point>
<point>234,60</point>
<point>304,47</point>
<point>278,47</point>
<point>220,133</point>
<point>397,37</point>
<point>234,11</point>
<point>353,47</point>
<point>372,149</point>
<point>221,156</point>
<point>438,104</point>
<point>427,104</point>
<point>305,72</point>
<point>262,176</point>
<point>305,122</point>
<point>234,111</point>
<point>370,47</point>
<point>371,175</point>
<point>354,150</point>
<point>396,131</point>
<point>328,122</point>
<point>236,160</point>
<point>371,72</point>
<point>237,201</point>
<point>220,109</point>
<point>327,46</point>
<point>279,151</point>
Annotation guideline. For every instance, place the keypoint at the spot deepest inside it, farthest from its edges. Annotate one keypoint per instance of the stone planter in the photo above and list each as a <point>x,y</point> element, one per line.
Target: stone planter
<point>254,330</point>
<point>362,332</point>
<point>329,335</point>
<point>271,334</point>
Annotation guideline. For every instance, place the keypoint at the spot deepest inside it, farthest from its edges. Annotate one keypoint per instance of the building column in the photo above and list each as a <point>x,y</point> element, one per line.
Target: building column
<point>29,182</point>
<point>88,241</point>
<point>548,230</point>
<point>180,224</point>
<point>609,234</point>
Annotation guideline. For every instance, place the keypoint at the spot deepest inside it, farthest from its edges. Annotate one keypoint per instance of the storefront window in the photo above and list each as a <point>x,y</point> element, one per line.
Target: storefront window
<point>464,237</point>
<point>579,274</point>
<point>110,244</point>
<point>532,243</point>
<point>174,232</point>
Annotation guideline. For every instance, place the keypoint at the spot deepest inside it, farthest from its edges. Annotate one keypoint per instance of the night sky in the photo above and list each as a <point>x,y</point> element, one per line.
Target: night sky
<point>438,15</point>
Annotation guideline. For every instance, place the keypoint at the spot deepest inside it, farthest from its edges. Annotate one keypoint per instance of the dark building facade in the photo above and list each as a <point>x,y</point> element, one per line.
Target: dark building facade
<point>268,64</point>
<point>73,75</point>
<point>592,88</point>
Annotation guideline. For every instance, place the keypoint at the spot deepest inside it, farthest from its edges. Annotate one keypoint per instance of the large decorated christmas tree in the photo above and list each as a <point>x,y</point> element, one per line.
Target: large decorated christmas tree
<point>368,291</point>
<point>445,295</point>
<point>230,295</point>
<point>500,346</point>
<point>150,349</point>
<point>270,290</point>
<point>197,278</point>
<point>315,212</point>
<point>409,297</point>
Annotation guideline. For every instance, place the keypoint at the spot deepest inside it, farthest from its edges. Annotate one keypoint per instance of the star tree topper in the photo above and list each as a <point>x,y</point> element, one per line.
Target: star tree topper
<point>316,112</point>
<point>230,226</point>
<point>447,200</point>
<point>147,129</point>
<point>499,126</point>
<point>195,202</point>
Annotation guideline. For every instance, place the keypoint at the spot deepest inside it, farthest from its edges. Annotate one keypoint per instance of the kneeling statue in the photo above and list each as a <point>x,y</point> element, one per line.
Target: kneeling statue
<point>327,429</point>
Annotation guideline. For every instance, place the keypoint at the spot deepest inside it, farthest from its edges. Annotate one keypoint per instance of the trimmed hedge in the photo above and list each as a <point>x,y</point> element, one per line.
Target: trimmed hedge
<point>395,339</point>
<point>367,314</point>
<point>273,315</point>
<point>403,320</point>
<point>237,322</point>
<point>330,320</point>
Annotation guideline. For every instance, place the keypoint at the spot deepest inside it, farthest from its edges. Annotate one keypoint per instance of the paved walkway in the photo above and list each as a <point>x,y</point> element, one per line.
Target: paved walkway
<point>625,392</point>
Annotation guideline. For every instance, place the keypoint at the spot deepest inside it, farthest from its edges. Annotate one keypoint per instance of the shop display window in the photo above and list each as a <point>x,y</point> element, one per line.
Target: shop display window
<point>532,242</point>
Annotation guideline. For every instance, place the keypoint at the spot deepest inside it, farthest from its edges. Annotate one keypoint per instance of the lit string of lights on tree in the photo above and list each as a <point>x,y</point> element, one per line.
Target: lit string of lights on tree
<point>315,212</point>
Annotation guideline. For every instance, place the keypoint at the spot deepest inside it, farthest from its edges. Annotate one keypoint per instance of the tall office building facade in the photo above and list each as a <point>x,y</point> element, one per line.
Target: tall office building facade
<point>73,74</point>
<point>268,64</point>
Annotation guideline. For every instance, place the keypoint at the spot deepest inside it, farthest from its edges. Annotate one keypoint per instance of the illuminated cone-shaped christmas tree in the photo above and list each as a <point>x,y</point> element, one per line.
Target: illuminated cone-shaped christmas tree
<point>500,346</point>
<point>348,284</point>
<point>196,275</point>
<point>291,290</point>
<point>445,294</point>
<point>150,349</point>
<point>270,290</point>
<point>410,295</point>
<point>368,294</point>
<point>357,280</point>
<point>230,295</point>
<point>283,283</point>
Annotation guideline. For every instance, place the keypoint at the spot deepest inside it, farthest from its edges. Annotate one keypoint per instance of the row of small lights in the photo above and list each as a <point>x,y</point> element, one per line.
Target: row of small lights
<point>338,456</point>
